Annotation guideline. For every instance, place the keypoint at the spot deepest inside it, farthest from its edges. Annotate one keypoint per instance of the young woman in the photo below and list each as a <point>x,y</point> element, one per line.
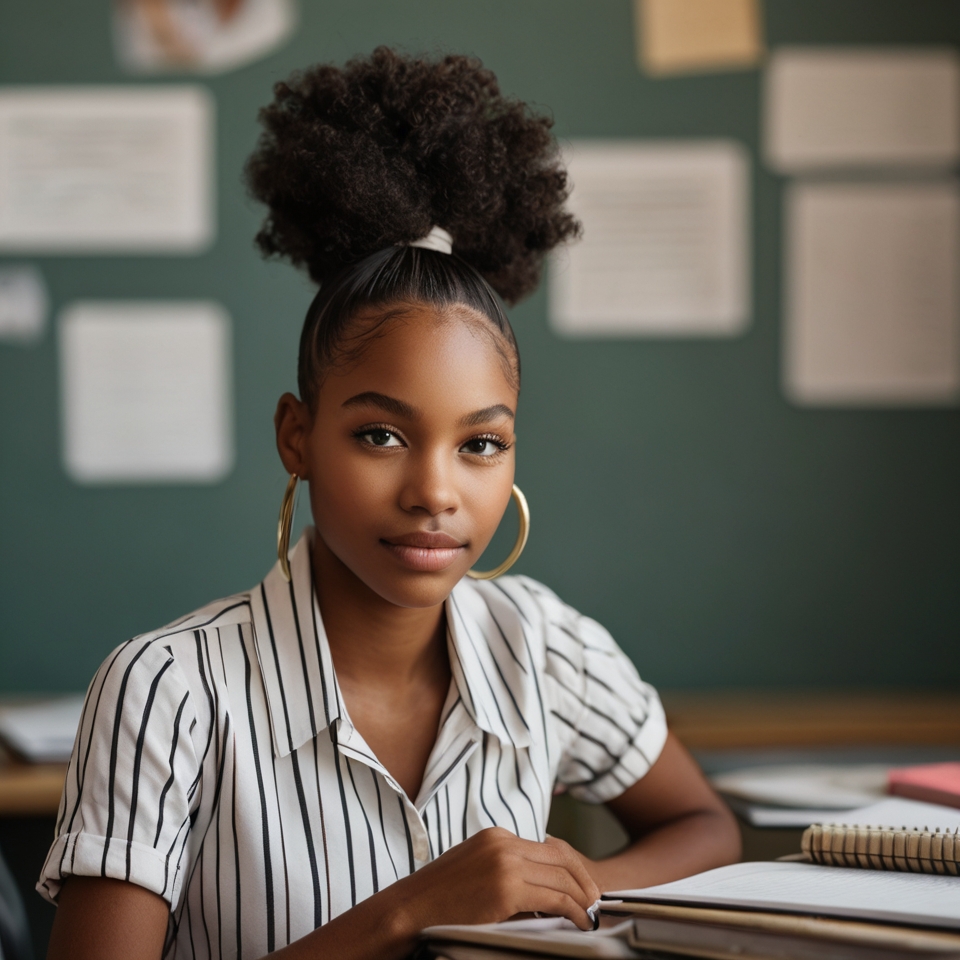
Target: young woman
<point>367,742</point>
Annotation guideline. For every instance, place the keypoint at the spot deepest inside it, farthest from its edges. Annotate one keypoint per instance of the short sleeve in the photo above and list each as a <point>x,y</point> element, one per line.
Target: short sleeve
<point>131,784</point>
<point>610,722</point>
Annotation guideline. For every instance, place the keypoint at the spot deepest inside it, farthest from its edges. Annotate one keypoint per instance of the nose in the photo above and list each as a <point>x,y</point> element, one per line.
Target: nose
<point>430,485</point>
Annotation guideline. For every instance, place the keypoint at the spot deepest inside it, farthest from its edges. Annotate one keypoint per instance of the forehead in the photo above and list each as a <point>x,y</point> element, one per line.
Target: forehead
<point>443,360</point>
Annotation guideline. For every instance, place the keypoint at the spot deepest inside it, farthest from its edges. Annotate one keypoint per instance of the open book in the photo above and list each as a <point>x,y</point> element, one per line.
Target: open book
<point>917,900</point>
<point>749,911</point>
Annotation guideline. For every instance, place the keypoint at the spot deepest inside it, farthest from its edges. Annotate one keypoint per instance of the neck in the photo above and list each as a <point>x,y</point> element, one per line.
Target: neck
<point>374,642</point>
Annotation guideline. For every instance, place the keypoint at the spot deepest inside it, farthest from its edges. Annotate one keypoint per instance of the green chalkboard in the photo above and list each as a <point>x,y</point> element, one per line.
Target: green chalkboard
<point>724,536</point>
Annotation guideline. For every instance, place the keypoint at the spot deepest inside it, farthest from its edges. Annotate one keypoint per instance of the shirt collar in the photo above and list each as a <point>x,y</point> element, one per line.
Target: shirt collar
<point>303,696</point>
<point>298,677</point>
<point>491,661</point>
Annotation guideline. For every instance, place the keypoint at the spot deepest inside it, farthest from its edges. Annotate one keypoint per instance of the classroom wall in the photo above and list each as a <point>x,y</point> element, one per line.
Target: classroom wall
<point>725,536</point>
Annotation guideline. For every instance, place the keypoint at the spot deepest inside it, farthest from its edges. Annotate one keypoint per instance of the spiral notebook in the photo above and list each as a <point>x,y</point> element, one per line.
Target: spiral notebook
<point>894,834</point>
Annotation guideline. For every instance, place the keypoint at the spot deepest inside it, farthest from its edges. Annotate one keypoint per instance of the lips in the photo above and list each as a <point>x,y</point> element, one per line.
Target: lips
<point>425,550</point>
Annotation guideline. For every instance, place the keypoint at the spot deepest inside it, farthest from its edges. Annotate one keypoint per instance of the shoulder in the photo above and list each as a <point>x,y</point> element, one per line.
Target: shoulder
<point>557,633</point>
<point>180,637</point>
<point>226,612</point>
<point>168,663</point>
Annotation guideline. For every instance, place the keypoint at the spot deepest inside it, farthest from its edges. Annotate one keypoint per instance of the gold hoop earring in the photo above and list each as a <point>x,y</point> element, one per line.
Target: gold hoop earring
<point>287,509</point>
<point>524,512</point>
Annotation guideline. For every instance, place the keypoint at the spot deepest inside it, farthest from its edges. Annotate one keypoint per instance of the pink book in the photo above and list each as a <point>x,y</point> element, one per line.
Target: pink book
<point>930,782</point>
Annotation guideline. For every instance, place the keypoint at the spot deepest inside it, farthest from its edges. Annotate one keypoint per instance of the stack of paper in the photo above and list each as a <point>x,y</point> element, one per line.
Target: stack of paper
<point>797,795</point>
<point>520,939</point>
<point>42,732</point>
<point>788,911</point>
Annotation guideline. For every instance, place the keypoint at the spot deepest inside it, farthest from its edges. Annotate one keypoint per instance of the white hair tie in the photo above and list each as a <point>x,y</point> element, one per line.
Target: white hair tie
<point>437,239</point>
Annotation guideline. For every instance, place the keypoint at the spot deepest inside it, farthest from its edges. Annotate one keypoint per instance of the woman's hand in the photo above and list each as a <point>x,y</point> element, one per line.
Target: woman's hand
<point>491,877</point>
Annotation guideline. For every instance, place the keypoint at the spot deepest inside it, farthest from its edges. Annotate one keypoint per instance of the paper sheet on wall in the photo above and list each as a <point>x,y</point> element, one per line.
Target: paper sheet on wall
<point>24,304</point>
<point>665,248</point>
<point>693,36</point>
<point>828,107</point>
<point>872,294</point>
<point>106,169</point>
<point>146,392</point>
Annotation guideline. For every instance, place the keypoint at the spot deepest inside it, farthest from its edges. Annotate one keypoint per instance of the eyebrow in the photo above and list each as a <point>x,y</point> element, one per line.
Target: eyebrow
<point>389,404</point>
<point>485,415</point>
<point>399,408</point>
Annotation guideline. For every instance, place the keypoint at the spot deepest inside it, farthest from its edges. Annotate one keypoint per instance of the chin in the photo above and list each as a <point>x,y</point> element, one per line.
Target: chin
<point>415,591</point>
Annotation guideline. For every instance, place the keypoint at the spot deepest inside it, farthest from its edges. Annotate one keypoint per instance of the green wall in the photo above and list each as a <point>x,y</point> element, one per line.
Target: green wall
<point>725,537</point>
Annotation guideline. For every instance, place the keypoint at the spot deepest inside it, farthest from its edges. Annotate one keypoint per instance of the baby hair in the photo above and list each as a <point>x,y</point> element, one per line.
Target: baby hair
<point>356,162</point>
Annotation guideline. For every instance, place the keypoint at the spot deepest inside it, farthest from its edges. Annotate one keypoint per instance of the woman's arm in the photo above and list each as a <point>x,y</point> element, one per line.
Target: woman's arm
<point>676,823</point>
<point>103,919</point>
<point>489,877</point>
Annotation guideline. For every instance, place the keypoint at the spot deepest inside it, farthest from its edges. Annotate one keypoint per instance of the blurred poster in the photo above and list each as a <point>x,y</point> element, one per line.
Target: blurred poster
<point>696,36</point>
<point>118,170</point>
<point>146,391</point>
<point>828,108</point>
<point>665,248</point>
<point>873,293</point>
<point>202,36</point>
<point>24,303</point>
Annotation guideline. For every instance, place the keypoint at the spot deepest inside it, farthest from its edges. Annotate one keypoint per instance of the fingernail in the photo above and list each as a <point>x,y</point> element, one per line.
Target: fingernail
<point>594,914</point>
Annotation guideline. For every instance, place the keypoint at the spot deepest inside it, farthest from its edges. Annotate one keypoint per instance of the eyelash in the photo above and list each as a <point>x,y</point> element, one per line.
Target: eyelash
<point>498,441</point>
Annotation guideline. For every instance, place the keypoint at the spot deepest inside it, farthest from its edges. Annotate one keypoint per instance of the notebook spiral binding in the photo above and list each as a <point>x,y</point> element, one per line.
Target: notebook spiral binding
<point>883,848</point>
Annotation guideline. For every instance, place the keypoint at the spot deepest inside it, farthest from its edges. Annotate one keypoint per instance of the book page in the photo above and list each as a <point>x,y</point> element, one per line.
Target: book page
<point>912,898</point>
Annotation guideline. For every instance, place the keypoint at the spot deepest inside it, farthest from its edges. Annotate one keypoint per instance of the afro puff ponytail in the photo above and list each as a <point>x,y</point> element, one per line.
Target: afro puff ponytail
<point>369,156</point>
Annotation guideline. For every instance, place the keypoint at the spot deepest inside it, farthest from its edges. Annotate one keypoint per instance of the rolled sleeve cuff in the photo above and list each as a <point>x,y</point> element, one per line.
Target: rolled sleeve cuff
<point>633,764</point>
<point>82,855</point>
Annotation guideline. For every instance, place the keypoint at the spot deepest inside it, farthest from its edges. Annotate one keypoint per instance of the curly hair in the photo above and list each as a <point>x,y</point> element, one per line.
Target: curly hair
<point>356,162</point>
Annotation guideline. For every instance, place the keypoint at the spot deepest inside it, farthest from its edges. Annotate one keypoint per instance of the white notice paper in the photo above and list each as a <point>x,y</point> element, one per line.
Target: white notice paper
<point>146,392</point>
<point>106,169</point>
<point>665,249</point>
<point>23,304</point>
<point>830,107</point>
<point>872,302</point>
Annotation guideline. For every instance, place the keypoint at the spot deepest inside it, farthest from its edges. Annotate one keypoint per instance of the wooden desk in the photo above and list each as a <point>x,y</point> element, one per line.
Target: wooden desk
<point>721,720</point>
<point>28,789</point>
<point>744,719</point>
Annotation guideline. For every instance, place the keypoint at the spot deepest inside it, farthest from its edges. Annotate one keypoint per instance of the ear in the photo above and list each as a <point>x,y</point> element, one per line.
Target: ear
<point>293,422</point>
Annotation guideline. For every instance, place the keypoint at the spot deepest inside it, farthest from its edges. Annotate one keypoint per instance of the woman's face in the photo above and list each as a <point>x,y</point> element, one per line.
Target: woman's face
<point>410,452</point>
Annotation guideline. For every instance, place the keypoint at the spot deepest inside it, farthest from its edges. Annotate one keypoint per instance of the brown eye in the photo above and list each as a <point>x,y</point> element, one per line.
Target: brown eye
<point>481,447</point>
<point>380,438</point>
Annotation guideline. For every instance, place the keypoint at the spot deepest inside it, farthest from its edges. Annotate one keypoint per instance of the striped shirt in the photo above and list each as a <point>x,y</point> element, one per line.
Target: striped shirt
<point>216,763</point>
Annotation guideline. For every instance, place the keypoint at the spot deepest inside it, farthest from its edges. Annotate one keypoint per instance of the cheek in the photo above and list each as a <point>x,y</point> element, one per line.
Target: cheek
<point>347,489</point>
<point>489,502</point>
